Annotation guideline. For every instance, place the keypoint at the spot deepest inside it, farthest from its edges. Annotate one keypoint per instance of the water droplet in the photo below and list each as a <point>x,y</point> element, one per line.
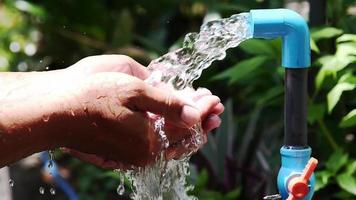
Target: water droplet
<point>51,154</point>
<point>51,157</point>
<point>72,113</point>
<point>45,118</point>
<point>41,61</point>
<point>85,109</point>
<point>95,124</point>
<point>11,183</point>
<point>47,68</point>
<point>120,189</point>
<point>52,191</point>
<point>50,163</point>
<point>41,190</point>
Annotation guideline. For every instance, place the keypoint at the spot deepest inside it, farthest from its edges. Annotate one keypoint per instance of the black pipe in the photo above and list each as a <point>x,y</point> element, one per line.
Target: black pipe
<point>295,107</point>
<point>317,14</point>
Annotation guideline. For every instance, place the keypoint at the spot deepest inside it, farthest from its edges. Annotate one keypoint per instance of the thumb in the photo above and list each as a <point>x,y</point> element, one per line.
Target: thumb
<point>168,104</point>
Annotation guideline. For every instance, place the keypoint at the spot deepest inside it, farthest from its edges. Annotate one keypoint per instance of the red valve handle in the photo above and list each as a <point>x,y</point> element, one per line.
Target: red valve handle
<point>298,186</point>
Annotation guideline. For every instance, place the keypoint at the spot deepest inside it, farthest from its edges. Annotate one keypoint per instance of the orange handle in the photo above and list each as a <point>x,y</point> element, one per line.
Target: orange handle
<point>298,186</point>
<point>309,169</point>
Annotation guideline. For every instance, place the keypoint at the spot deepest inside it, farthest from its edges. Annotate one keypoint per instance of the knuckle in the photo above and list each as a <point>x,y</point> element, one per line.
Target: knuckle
<point>135,91</point>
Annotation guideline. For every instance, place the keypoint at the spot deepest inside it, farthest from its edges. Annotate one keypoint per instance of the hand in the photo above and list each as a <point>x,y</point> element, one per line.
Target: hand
<point>209,106</point>
<point>98,106</point>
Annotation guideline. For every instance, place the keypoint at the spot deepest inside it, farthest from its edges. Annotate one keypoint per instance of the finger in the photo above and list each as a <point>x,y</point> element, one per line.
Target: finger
<point>206,105</point>
<point>138,70</point>
<point>212,122</point>
<point>173,108</point>
<point>117,63</point>
<point>218,109</point>
<point>201,92</point>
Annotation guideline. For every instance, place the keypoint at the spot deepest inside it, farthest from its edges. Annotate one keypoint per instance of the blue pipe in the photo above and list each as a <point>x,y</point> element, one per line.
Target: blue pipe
<point>57,178</point>
<point>274,23</point>
<point>292,28</point>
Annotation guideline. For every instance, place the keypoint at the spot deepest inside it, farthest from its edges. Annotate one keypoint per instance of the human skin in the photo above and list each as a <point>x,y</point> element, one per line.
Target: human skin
<point>97,109</point>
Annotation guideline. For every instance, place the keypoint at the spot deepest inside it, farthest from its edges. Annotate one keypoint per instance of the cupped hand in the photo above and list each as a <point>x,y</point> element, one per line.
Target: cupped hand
<point>109,116</point>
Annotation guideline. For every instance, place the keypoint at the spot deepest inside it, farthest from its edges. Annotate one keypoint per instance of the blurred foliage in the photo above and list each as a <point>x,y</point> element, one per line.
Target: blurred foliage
<point>241,159</point>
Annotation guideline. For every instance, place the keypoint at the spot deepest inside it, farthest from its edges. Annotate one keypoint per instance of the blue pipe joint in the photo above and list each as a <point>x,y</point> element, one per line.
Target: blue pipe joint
<point>274,23</point>
<point>293,164</point>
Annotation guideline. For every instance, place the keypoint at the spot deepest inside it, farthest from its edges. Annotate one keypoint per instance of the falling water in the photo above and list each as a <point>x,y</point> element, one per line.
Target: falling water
<point>178,70</point>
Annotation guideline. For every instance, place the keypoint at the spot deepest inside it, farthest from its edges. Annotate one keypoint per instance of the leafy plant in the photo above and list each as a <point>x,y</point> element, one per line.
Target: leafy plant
<point>340,170</point>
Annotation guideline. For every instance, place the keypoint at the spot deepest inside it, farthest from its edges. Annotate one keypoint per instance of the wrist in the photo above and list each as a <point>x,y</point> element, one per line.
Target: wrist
<point>30,105</point>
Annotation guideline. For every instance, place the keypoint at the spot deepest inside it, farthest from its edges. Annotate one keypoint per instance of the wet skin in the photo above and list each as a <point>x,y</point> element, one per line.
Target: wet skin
<point>97,109</point>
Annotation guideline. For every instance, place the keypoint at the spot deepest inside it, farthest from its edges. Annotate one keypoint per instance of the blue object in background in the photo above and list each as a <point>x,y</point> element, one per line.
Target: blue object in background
<point>60,182</point>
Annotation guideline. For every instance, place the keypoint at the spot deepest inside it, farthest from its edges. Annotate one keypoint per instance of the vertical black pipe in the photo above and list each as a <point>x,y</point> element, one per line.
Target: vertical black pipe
<point>295,107</point>
<point>317,13</point>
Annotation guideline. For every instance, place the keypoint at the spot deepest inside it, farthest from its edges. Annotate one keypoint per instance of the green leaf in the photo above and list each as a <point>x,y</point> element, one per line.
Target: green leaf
<point>322,179</point>
<point>270,94</point>
<point>346,38</point>
<point>347,182</point>
<point>324,33</point>
<point>234,194</point>
<point>346,50</point>
<point>225,137</point>
<point>337,160</point>
<point>221,145</point>
<point>334,95</point>
<point>327,69</point>
<point>258,47</point>
<point>351,168</point>
<point>30,8</point>
<point>241,69</point>
<point>202,180</point>
<point>313,46</point>
<point>348,78</point>
<point>349,120</point>
<point>315,112</point>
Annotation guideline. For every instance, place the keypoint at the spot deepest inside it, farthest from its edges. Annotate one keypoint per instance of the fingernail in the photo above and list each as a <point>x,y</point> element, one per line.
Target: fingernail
<point>190,115</point>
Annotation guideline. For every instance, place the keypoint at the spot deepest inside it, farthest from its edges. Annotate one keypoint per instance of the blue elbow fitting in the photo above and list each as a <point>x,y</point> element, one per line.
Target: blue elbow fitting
<point>293,164</point>
<point>274,23</point>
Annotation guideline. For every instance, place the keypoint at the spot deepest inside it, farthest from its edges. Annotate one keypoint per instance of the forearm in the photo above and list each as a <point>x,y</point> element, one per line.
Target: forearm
<point>27,102</point>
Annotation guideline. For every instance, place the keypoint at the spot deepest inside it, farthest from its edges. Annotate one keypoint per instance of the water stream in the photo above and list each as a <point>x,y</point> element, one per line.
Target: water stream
<point>178,69</point>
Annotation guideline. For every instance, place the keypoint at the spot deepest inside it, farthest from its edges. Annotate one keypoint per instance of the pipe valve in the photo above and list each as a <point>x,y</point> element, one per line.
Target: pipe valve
<point>299,186</point>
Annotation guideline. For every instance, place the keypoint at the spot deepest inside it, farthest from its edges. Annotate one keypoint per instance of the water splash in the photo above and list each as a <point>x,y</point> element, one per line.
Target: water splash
<point>178,70</point>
